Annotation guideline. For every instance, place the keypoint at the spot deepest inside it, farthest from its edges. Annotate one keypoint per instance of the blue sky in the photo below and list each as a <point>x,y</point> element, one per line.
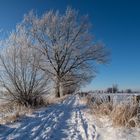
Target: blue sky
<point>116,23</point>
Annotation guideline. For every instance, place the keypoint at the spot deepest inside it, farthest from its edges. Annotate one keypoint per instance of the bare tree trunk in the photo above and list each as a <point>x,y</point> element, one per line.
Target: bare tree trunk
<point>59,88</point>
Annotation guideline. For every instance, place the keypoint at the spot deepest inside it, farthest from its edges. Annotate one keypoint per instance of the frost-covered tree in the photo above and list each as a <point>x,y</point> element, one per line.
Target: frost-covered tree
<point>67,44</point>
<point>20,77</point>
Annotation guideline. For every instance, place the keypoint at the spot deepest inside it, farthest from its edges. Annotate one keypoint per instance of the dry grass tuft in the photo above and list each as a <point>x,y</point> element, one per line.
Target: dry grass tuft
<point>99,106</point>
<point>55,100</point>
<point>105,108</point>
<point>12,111</point>
<point>102,109</point>
<point>121,114</point>
<point>83,100</point>
<point>11,118</point>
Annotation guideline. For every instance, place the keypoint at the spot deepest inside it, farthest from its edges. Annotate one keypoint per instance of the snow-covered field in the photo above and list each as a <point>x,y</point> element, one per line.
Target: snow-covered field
<point>116,97</point>
<point>69,120</point>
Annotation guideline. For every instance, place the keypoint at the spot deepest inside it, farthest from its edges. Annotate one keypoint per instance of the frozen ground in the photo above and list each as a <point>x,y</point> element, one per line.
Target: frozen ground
<point>63,121</point>
<point>70,120</point>
<point>105,131</point>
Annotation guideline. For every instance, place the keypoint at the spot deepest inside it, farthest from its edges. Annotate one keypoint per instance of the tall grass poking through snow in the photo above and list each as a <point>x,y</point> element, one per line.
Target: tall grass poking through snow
<point>125,115</point>
<point>100,106</point>
<point>121,114</point>
<point>13,110</point>
<point>10,112</point>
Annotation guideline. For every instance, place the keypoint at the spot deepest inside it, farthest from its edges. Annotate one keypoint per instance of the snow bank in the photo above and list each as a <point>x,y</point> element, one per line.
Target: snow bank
<point>105,131</point>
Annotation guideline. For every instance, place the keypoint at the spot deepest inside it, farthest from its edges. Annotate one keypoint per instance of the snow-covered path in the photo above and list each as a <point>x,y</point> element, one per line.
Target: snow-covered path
<point>63,121</point>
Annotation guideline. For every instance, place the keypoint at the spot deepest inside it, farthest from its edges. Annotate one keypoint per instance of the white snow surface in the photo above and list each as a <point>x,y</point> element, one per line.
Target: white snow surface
<point>69,120</point>
<point>63,121</point>
<point>105,131</point>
